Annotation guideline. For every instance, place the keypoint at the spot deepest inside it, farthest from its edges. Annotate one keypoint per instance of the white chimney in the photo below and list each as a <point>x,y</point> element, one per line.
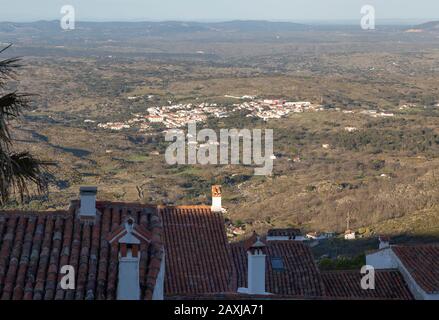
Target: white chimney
<point>128,287</point>
<point>256,267</point>
<point>88,202</point>
<point>216,199</point>
<point>384,242</point>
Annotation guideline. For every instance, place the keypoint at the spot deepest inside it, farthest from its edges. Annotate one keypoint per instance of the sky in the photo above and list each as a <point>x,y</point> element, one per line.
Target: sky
<point>217,10</point>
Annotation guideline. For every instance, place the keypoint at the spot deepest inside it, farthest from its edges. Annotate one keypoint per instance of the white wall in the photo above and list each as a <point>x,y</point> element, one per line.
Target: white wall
<point>256,273</point>
<point>88,205</point>
<point>415,289</point>
<point>383,259</point>
<point>128,287</point>
<point>387,259</point>
<point>216,204</point>
<point>159,288</point>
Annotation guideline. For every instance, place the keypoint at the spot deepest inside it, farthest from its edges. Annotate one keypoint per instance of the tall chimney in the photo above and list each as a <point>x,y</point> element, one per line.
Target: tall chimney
<point>256,267</point>
<point>88,202</point>
<point>128,287</point>
<point>216,199</point>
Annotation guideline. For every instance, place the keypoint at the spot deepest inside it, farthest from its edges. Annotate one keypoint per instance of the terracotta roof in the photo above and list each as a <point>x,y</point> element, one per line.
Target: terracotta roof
<point>240,296</point>
<point>199,260</point>
<point>34,246</point>
<point>389,285</point>
<point>198,257</point>
<point>422,262</point>
<point>300,276</point>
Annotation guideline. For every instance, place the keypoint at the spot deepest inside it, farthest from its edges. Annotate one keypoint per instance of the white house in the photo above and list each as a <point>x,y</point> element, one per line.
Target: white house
<point>349,235</point>
<point>418,265</point>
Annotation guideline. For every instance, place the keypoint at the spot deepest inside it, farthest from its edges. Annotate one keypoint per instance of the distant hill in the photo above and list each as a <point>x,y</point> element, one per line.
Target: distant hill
<point>425,27</point>
<point>259,25</point>
<point>159,28</point>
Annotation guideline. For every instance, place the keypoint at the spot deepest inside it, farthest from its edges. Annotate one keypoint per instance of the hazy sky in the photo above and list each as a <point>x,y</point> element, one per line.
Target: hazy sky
<point>203,10</point>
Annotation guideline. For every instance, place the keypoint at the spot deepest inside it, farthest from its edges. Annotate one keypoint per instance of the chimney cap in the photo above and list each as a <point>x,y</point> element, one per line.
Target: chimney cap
<point>384,238</point>
<point>255,242</point>
<point>258,244</point>
<point>216,191</point>
<point>88,189</point>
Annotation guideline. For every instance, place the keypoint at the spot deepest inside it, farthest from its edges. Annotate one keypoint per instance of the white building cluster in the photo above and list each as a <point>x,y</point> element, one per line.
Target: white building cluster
<point>376,114</point>
<point>179,115</point>
<point>275,109</point>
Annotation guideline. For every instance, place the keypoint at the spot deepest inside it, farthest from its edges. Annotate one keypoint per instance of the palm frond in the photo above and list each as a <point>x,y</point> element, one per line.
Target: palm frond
<point>8,69</point>
<point>18,170</point>
<point>11,107</point>
<point>6,48</point>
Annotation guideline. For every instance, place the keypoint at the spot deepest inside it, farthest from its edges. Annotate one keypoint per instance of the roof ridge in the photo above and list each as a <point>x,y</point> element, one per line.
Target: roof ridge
<point>106,203</point>
<point>415,245</point>
<point>356,271</point>
<point>34,212</point>
<point>195,206</point>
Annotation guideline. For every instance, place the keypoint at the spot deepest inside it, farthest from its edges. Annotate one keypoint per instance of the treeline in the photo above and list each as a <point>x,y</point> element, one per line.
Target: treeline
<point>410,141</point>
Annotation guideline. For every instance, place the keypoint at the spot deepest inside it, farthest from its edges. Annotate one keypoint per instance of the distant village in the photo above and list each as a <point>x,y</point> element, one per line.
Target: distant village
<point>234,231</point>
<point>174,116</point>
<point>179,115</point>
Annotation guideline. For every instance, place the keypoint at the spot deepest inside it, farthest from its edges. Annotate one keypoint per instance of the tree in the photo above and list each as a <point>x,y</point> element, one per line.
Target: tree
<point>18,170</point>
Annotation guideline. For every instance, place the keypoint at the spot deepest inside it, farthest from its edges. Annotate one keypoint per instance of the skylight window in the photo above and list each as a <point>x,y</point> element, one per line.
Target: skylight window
<point>277,264</point>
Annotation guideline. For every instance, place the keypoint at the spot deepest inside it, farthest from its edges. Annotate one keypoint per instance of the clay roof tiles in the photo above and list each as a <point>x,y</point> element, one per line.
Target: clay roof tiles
<point>299,277</point>
<point>422,262</point>
<point>35,245</point>
<point>198,256</point>
<point>389,285</point>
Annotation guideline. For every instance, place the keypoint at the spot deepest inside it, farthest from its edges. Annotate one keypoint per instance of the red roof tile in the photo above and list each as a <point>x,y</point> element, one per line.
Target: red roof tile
<point>389,285</point>
<point>35,245</point>
<point>300,276</point>
<point>198,257</point>
<point>422,262</point>
<point>199,260</point>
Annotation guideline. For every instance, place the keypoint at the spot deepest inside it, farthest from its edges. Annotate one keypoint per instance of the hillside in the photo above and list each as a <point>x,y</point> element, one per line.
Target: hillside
<point>432,26</point>
<point>164,28</point>
<point>383,170</point>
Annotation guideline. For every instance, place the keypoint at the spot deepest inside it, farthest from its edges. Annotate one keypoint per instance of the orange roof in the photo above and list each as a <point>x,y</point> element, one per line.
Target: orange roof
<point>300,276</point>
<point>422,261</point>
<point>389,285</point>
<point>198,257</point>
<point>35,245</point>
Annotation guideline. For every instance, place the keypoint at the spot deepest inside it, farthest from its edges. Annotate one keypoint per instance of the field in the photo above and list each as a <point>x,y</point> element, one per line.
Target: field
<point>384,175</point>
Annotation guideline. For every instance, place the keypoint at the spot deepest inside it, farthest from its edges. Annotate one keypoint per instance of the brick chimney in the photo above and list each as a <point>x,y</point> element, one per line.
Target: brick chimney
<point>87,197</point>
<point>216,199</point>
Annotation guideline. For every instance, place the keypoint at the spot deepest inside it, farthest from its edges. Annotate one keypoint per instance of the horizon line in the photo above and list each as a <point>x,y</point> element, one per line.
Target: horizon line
<point>388,21</point>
